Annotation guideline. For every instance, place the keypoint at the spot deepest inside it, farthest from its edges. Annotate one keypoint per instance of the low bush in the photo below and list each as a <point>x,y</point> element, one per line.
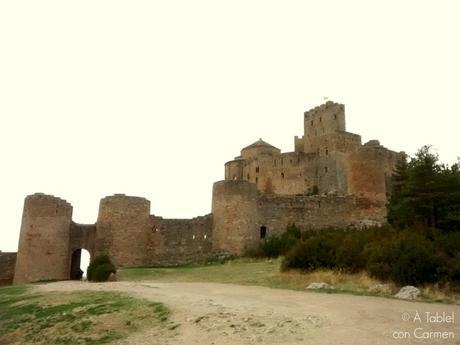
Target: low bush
<point>276,245</point>
<point>406,257</point>
<point>100,268</point>
<point>415,260</point>
<point>311,254</point>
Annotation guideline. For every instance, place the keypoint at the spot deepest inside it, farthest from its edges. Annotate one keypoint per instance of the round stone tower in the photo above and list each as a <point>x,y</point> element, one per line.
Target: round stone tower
<point>43,251</point>
<point>235,218</point>
<point>123,225</point>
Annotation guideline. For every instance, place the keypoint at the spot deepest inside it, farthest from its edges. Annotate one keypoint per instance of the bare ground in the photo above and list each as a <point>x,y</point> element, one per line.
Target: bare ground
<point>227,314</point>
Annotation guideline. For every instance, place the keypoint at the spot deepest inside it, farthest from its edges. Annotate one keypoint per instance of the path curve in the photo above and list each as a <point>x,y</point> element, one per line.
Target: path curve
<point>227,314</point>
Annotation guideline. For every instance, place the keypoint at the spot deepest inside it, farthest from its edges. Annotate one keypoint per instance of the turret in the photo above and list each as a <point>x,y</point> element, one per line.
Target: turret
<point>43,252</point>
<point>235,219</point>
<point>122,229</point>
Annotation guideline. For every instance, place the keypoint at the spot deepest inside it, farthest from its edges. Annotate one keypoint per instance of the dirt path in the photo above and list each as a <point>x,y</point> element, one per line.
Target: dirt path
<point>225,314</point>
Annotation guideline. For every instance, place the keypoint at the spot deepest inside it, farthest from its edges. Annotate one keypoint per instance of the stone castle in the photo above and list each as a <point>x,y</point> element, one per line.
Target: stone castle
<point>330,179</point>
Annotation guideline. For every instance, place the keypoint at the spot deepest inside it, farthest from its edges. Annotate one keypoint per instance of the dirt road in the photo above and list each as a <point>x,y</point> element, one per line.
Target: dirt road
<point>225,314</point>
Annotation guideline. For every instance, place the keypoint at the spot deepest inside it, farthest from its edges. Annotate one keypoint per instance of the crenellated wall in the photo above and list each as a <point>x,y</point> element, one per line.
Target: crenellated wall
<point>241,211</point>
<point>330,179</point>
<point>327,159</point>
<point>50,242</point>
<point>179,241</point>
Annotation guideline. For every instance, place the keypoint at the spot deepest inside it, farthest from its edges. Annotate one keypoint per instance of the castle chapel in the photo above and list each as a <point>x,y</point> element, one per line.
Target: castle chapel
<point>330,179</point>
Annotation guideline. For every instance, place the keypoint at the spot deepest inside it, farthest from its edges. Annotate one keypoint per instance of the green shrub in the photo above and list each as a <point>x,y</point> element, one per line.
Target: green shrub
<point>415,261</point>
<point>311,254</point>
<point>350,254</point>
<point>453,270</point>
<point>276,245</point>
<point>449,243</point>
<point>379,259</point>
<point>407,258</point>
<point>100,268</point>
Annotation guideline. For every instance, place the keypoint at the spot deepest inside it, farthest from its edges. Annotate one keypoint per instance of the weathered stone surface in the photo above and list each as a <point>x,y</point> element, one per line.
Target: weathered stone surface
<point>43,251</point>
<point>408,292</point>
<point>322,285</point>
<point>326,160</point>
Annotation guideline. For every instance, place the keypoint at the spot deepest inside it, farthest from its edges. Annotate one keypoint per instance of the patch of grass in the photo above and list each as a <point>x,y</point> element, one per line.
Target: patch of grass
<point>267,273</point>
<point>81,317</point>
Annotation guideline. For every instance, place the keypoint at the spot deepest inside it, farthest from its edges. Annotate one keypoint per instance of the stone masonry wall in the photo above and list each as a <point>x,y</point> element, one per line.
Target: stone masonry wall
<point>123,226</point>
<point>240,211</point>
<point>317,212</point>
<point>369,169</point>
<point>235,215</point>
<point>43,251</point>
<point>82,236</point>
<point>7,264</point>
<point>179,241</point>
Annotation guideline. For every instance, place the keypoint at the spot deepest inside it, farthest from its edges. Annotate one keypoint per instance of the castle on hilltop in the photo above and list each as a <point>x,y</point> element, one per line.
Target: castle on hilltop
<point>330,179</point>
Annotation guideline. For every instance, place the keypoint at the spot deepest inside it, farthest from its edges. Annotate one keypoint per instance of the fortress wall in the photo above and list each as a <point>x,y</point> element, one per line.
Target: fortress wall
<point>298,144</point>
<point>287,173</point>
<point>7,264</point>
<point>179,241</point>
<point>338,141</point>
<point>241,212</point>
<point>82,236</point>
<point>43,252</point>
<point>234,170</point>
<point>122,229</point>
<point>324,119</point>
<point>368,171</point>
<point>255,151</point>
<point>316,212</point>
<point>235,214</point>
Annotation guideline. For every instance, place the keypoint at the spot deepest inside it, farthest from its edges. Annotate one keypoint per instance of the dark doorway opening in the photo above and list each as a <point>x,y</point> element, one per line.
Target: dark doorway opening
<point>263,231</point>
<point>79,264</point>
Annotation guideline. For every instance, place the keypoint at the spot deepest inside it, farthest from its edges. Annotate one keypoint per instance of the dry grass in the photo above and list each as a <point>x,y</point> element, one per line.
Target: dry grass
<point>267,273</point>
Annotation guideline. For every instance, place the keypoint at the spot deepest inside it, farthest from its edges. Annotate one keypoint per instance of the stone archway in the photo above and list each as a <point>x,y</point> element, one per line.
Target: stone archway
<point>76,271</point>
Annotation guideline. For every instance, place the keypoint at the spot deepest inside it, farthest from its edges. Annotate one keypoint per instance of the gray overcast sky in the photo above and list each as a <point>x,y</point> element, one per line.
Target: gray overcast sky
<point>151,98</point>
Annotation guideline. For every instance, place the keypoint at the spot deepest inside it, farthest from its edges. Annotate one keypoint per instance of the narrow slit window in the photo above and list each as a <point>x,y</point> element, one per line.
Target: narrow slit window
<point>282,175</point>
<point>263,232</point>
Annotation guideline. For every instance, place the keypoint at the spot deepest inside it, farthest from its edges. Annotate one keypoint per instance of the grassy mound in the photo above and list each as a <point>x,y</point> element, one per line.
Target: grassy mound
<point>81,317</point>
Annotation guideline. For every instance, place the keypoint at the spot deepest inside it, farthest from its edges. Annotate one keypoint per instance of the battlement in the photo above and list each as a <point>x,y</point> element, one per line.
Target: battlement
<point>124,197</point>
<point>323,107</point>
<point>47,198</point>
<point>324,119</point>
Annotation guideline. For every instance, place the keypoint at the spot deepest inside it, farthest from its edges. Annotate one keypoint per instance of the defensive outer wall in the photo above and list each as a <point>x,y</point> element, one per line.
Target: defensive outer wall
<point>330,180</point>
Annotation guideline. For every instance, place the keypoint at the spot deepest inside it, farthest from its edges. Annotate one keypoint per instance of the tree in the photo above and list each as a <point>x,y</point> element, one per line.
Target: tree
<point>425,192</point>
